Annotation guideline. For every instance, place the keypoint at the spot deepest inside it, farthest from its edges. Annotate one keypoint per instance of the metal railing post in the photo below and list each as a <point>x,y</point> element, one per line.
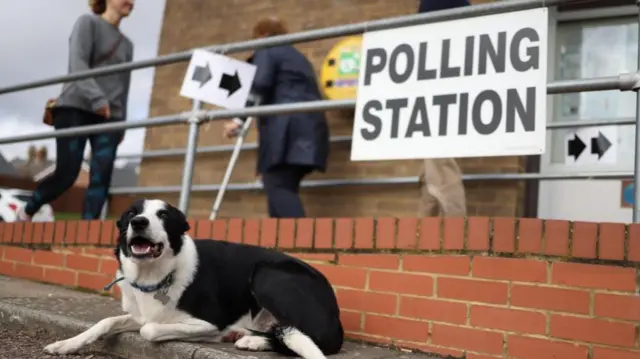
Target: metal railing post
<point>636,160</point>
<point>190,157</point>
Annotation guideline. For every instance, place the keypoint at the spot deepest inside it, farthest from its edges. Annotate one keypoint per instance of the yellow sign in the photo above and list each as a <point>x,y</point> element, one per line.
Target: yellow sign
<point>340,69</point>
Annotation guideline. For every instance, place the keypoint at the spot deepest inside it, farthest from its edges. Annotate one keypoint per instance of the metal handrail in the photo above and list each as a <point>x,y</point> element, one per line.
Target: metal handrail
<point>171,152</point>
<point>377,181</point>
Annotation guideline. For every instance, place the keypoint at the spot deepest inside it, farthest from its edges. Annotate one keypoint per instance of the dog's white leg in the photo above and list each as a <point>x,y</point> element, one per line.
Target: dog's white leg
<point>107,326</point>
<point>253,343</point>
<point>301,344</point>
<point>188,329</point>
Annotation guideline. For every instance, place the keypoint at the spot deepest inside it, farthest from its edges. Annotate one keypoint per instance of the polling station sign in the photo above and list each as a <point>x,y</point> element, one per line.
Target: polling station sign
<point>467,88</point>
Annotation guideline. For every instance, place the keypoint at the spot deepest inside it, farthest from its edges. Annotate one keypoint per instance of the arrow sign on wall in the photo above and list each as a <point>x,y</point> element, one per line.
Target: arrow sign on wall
<point>603,142</point>
<point>230,83</point>
<point>600,145</point>
<point>576,147</point>
<point>202,74</point>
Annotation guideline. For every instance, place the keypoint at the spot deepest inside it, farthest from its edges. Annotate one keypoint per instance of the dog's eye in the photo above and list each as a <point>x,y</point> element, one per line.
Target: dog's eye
<point>163,214</point>
<point>131,214</point>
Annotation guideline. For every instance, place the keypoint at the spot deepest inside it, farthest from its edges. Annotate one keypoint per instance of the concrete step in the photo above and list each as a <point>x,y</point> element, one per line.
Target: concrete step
<point>67,312</point>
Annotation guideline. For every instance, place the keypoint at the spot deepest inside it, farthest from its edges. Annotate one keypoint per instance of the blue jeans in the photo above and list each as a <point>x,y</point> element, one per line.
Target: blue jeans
<point>69,158</point>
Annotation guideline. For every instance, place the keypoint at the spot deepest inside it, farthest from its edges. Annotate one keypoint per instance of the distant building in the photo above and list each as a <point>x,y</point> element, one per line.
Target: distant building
<point>37,160</point>
<point>7,169</point>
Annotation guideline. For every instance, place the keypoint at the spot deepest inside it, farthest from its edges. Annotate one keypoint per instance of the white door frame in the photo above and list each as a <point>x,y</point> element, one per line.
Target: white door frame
<point>557,18</point>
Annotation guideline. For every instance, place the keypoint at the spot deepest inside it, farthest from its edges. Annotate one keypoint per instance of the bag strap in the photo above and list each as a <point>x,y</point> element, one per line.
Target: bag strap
<point>109,54</point>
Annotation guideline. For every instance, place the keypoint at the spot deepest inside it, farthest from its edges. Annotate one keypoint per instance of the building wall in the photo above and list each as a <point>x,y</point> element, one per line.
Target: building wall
<point>189,24</point>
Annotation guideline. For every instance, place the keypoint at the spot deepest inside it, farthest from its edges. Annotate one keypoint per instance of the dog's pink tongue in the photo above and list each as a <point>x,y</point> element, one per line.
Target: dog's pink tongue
<point>141,247</point>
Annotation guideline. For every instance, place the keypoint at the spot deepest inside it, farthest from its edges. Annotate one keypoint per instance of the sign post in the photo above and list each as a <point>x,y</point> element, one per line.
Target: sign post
<point>467,88</point>
<point>218,80</point>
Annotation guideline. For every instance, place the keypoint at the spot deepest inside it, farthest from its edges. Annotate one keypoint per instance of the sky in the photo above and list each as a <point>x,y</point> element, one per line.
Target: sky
<point>34,46</point>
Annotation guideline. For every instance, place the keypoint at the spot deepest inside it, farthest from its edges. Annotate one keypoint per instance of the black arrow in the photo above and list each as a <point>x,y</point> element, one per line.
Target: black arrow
<point>575,147</point>
<point>600,145</point>
<point>230,83</point>
<point>202,74</point>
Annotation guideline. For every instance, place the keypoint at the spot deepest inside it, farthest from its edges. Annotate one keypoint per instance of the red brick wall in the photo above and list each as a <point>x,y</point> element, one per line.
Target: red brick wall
<point>478,287</point>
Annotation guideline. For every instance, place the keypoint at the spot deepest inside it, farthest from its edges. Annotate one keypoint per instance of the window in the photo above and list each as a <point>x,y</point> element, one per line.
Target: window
<point>594,49</point>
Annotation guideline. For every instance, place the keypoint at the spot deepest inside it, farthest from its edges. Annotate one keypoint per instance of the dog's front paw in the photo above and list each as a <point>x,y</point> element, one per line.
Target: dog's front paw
<point>253,343</point>
<point>68,346</point>
<point>149,332</point>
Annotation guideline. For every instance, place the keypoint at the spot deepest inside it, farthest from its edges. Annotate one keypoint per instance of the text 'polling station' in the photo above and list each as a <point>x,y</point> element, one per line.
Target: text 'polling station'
<point>461,110</point>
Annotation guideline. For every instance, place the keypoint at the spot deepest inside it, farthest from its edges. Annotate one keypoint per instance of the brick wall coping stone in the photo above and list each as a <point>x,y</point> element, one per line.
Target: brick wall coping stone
<point>609,243</point>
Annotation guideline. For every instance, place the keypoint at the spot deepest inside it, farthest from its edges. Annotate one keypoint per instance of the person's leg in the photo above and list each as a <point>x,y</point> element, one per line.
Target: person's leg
<point>442,188</point>
<point>282,185</point>
<point>69,154</point>
<point>103,155</point>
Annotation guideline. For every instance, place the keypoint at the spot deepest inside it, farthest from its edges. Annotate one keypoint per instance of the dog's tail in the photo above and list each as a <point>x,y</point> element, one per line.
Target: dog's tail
<point>290,340</point>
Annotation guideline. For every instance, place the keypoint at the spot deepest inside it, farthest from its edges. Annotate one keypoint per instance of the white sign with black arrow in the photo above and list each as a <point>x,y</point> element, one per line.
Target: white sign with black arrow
<point>218,80</point>
<point>591,145</point>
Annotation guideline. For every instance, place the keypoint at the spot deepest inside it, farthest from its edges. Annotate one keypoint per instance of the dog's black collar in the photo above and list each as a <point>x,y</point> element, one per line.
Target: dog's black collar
<point>164,283</point>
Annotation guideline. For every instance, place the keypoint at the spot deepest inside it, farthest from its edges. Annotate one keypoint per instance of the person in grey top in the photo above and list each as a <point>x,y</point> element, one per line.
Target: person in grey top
<point>95,41</point>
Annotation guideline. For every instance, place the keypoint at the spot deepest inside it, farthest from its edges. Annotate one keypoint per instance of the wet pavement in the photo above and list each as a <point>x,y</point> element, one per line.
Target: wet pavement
<point>26,305</point>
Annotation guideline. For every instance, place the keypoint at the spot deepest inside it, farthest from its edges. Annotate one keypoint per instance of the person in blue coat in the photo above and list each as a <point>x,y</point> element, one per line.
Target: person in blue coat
<point>293,145</point>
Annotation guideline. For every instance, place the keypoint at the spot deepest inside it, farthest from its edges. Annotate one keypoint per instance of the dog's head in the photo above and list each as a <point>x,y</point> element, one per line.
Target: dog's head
<point>151,229</point>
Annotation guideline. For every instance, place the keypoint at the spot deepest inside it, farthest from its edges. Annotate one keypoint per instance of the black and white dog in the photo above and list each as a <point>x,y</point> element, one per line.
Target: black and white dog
<point>177,288</point>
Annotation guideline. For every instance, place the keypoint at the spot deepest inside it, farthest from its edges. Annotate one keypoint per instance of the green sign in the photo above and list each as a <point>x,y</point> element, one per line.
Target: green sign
<point>349,62</point>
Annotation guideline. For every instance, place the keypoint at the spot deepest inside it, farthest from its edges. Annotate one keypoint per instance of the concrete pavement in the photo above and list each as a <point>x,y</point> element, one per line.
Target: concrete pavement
<point>65,313</point>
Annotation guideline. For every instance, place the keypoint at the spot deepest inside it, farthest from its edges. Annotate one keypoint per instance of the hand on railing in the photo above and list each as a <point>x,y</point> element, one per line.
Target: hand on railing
<point>232,128</point>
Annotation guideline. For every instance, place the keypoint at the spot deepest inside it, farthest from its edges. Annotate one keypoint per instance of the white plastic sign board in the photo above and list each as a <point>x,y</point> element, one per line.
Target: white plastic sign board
<point>218,80</point>
<point>591,146</point>
<point>467,88</point>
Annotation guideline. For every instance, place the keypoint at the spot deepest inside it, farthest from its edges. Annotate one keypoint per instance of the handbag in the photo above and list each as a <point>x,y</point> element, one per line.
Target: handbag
<point>47,118</point>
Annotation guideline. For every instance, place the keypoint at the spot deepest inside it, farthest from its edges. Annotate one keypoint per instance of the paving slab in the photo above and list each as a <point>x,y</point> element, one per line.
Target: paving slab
<point>27,343</point>
<point>65,312</point>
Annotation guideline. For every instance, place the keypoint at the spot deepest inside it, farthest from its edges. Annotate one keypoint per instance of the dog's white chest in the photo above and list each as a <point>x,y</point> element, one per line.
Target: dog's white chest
<point>149,307</point>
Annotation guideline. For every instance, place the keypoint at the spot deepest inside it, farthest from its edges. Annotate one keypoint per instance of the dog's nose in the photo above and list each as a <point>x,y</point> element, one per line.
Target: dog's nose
<point>139,223</point>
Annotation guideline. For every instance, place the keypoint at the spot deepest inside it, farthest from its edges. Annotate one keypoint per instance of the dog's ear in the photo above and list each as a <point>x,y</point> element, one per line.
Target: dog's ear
<point>179,219</point>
